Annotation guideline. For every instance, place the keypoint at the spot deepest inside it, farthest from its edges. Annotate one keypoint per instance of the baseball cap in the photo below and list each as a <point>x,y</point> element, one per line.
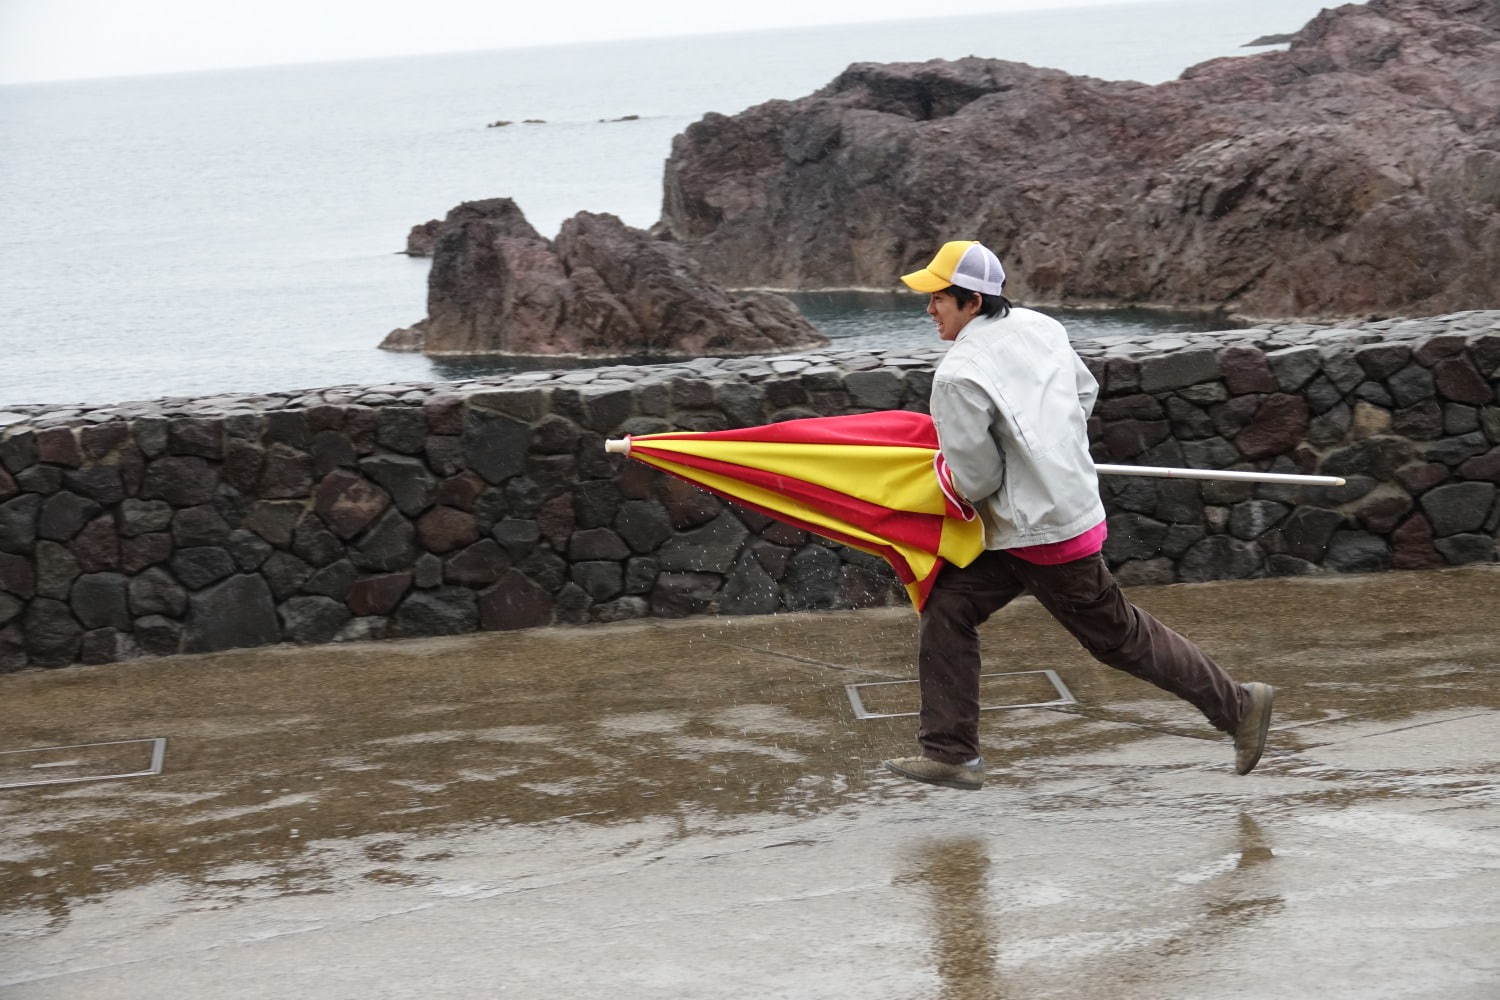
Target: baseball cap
<point>965,263</point>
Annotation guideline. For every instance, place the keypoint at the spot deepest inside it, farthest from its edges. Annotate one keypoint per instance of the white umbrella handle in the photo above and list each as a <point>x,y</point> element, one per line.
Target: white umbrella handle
<point>621,446</point>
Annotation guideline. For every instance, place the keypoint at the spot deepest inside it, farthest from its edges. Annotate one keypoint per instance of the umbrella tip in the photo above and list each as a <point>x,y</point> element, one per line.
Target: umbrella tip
<point>617,446</point>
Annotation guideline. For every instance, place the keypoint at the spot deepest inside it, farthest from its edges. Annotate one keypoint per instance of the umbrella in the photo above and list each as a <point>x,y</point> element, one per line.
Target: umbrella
<point>872,481</point>
<point>864,480</point>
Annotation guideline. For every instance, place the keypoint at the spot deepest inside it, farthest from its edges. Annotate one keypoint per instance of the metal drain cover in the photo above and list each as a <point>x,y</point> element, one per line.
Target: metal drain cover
<point>905,691</point>
<point>82,762</point>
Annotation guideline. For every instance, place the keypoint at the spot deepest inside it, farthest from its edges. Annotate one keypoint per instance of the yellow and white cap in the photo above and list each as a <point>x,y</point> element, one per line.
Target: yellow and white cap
<point>965,263</point>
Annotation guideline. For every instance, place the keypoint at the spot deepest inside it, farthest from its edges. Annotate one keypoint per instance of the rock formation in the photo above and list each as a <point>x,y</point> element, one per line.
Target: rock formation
<point>1357,172</point>
<point>602,289</point>
<point>421,238</point>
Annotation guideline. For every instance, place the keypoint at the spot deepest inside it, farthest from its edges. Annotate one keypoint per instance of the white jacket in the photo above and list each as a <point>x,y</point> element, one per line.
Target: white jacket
<point>1011,401</point>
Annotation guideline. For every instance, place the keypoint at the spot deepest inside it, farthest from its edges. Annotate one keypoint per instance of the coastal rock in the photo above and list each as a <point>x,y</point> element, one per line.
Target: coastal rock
<point>1285,183</point>
<point>421,238</point>
<point>602,289</point>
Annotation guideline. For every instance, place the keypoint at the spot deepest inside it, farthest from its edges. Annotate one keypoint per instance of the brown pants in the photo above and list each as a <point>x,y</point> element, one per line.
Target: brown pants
<point>1084,597</point>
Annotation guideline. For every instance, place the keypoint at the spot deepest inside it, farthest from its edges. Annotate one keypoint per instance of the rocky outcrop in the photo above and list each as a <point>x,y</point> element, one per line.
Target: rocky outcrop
<point>1357,172</point>
<point>602,289</point>
<point>421,238</point>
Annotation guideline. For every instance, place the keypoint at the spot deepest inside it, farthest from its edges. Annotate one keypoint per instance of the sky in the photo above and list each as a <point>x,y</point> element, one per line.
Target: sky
<point>72,39</point>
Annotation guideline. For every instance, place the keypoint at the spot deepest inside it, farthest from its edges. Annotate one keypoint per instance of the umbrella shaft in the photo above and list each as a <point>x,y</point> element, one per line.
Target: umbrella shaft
<point>1158,472</point>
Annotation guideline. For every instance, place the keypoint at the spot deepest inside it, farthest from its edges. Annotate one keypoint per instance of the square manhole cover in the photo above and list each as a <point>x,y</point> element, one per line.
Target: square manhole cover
<point>1022,689</point>
<point>81,762</point>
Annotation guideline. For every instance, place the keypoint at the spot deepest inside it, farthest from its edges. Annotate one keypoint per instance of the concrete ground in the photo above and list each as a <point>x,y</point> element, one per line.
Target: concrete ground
<point>691,809</point>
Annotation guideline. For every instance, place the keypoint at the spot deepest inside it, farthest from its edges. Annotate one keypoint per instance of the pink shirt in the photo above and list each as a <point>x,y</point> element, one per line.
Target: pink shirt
<point>1077,547</point>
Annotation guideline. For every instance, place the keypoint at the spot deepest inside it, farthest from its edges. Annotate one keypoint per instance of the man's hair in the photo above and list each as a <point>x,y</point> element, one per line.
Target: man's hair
<point>989,305</point>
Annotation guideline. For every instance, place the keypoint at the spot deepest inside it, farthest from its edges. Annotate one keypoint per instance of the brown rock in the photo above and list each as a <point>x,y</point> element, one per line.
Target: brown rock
<point>286,473</point>
<point>1382,513</point>
<point>378,595</point>
<point>97,546</point>
<point>142,551</point>
<point>348,502</point>
<point>1246,370</point>
<point>461,491</point>
<point>1460,381</point>
<point>514,602</point>
<point>98,440</point>
<point>1369,420</point>
<point>557,519</point>
<point>421,238</point>
<point>59,446</point>
<point>1411,545</point>
<point>1486,466</point>
<point>443,529</point>
<point>1278,426</point>
<point>1246,183</point>
<point>602,290</point>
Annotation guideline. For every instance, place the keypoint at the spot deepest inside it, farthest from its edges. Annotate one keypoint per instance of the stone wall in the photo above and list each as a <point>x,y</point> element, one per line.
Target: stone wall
<point>410,510</point>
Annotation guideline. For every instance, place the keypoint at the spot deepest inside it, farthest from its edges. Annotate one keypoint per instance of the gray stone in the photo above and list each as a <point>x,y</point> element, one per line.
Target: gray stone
<point>196,436</point>
<point>333,580</point>
<point>1467,548</point>
<point>1342,370</point>
<point>640,574</point>
<point>1380,361</point>
<point>100,600</point>
<point>314,543</point>
<point>1357,552</point>
<point>1180,538</point>
<point>427,571</point>
<point>142,517</point>
<point>1322,395</point>
<point>1375,457</point>
<point>288,427</point>
<point>742,403</point>
<point>1133,537</point>
<point>1458,508</point>
<point>812,579</point>
<point>51,633</point>
<point>1307,530</point>
<point>876,390</point>
<point>597,543</point>
<point>63,515</point>
<point>56,569</point>
<point>407,481</point>
<point>331,450</point>
<point>18,519</point>
<point>1376,393</point>
<point>494,446</point>
<point>285,474</point>
<point>158,636</point>
<point>1354,487</point>
<point>481,563</point>
<point>546,568</point>
<point>1454,451</point>
<point>619,610</point>
<point>1422,422</point>
<point>42,479</point>
<point>1220,557</point>
<point>1253,518</point>
<point>18,451</point>
<point>1332,427</point>
<point>17,575</point>
<point>1178,369</point>
<point>248,549</point>
<point>1294,367</point>
<point>600,580</point>
<point>1210,453</point>
<point>518,537</point>
<point>1411,385</point>
<point>235,614</point>
<point>1145,572</point>
<point>285,574</point>
<point>1458,419</point>
<point>100,483</point>
<point>181,481</point>
<point>750,590</point>
<point>156,593</point>
<point>571,605</point>
<point>10,607</point>
<point>200,525</point>
<point>596,503</point>
<point>401,428</point>
<point>677,595</point>
<point>200,565</point>
<point>390,544</point>
<point>106,645</point>
<point>711,548</point>
<point>1188,421</point>
<point>313,619</point>
<point>442,611</point>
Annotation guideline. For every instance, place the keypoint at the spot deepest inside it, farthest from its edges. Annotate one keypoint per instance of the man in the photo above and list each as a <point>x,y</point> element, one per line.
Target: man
<point>1011,401</point>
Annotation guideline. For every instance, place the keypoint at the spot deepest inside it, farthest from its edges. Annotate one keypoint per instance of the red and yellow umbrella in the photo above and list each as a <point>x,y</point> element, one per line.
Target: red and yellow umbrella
<point>865,480</point>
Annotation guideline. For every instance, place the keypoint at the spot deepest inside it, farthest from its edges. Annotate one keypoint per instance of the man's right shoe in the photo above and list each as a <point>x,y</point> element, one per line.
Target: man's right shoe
<point>968,777</point>
<point>1250,734</point>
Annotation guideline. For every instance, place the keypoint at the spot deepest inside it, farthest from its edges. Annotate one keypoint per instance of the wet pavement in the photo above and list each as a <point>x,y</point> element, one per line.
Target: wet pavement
<point>691,809</point>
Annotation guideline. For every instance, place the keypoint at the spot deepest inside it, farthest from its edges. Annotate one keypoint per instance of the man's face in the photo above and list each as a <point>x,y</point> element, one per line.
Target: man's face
<point>949,317</point>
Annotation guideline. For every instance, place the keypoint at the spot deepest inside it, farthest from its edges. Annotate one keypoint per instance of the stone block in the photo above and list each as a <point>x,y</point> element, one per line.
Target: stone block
<point>401,429</point>
<point>1458,508</point>
<point>158,636</point>
<point>59,446</point>
<point>443,529</point>
<point>1279,425</point>
<point>427,571</point>
<point>1294,367</point>
<point>494,446</point>
<point>63,515</point>
<point>1381,514</point>
<point>880,389</point>
<point>17,575</point>
<point>1285,565</point>
<point>1411,385</point>
<point>405,480</point>
<point>331,450</point>
<point>100,440</point>
<point>1412,545</point>
<point>1421,422</point>
<point>1458,380</point>
<point>51,633</point>
<point>199,436</point>
<point>285,574</point>
<point>56,569</point>
<point>97,546</point>
<point>313,619</point>
<point>442,611</point>
<point>711,548</point>
<point>1416,478</point>
<point>526,404</point>
<point>601,580</point>
<point>288,427</point>
<point>378,595</point>
<point>1466,548</point>
<point>1459,419</point>
<point>515,602</point>
<point>234,614</point>
<point>1246,370</point>
<point>482,563</point>
<point>1357,552</point>
<point>571,605</point>
<point>1253,518</point>
<point>201,525</point>
<point>1375,457</point>
<point>100,600</point>
<point>1482,467</point>
<point>812,579</point>
<point>100,483</point>
<point>1331,427</point>
<point>285,474</point>
<point>1376,394</point>
<point>1456,450</point>
<point>243,462</point>
<point>1307,530</point>
<point>741,403</point>
<point>1220,557</point>
<point>1380,361</point>
<point>332,580</point>
<point>182,481</point>
<point>348,503</point>
<point>1133,537</point>
<point>1125,439</point>
<point>1178,369</point>
<point>620,609</point>
<point>145,550</point>
<point>1188,421</point>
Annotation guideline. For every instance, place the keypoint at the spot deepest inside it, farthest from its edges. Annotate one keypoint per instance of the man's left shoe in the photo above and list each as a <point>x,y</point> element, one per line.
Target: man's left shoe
<point>1250,734</point>
<point>969,777</point>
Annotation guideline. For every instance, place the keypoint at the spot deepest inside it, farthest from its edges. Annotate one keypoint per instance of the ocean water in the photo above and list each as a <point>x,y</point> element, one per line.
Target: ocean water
<point>238,230</point>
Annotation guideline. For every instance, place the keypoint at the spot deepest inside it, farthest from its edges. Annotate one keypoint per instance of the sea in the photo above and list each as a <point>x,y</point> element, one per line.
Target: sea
<point>239,231</point>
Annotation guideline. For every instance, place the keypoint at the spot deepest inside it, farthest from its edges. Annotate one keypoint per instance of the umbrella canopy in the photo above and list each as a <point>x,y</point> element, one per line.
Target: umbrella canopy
<point>864,480</point>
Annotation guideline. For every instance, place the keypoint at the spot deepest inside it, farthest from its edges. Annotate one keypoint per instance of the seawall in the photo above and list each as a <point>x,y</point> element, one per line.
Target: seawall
<point>410,510</point>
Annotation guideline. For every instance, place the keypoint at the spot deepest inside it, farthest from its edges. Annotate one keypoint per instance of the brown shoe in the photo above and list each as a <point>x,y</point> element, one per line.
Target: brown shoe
<point>1250,734</point>
<point>969,777</point>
